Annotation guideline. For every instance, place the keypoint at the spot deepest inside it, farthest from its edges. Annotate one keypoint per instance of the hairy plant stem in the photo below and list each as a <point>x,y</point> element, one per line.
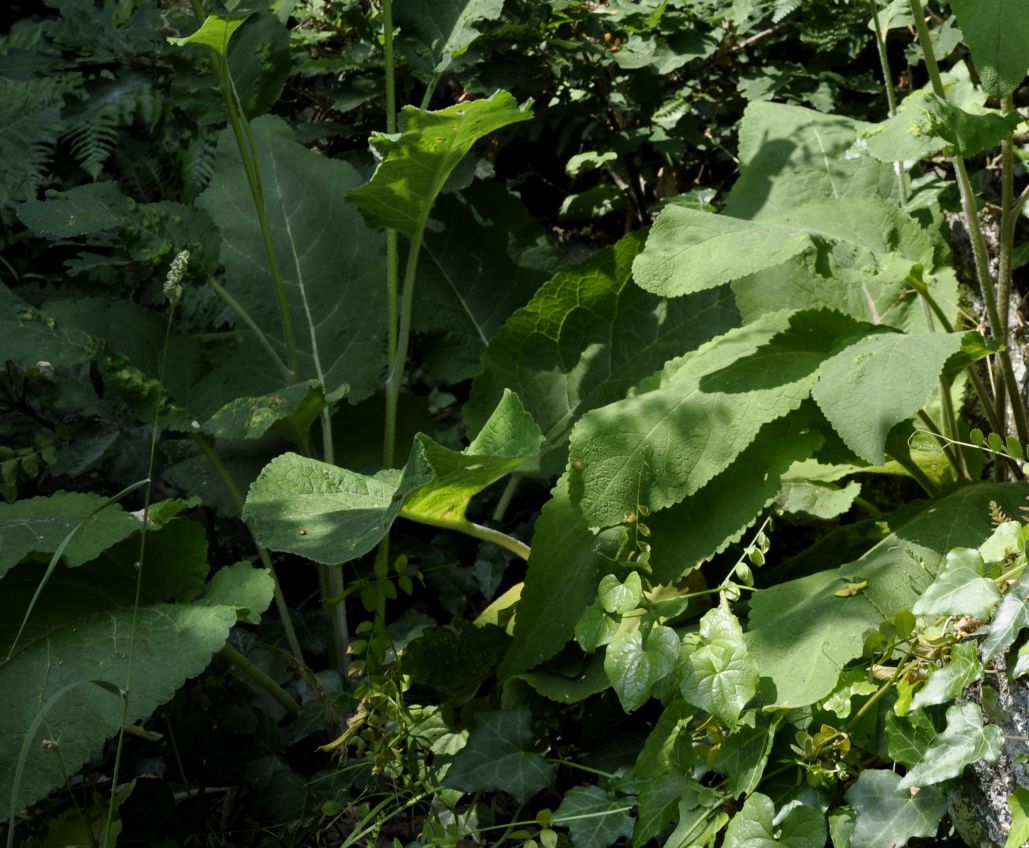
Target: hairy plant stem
<point>469,528</point>
<point>244,316</point>
<point>262,553</point>
<point>891,93</point>
<point>262,680</point>
<point>1007,238</point>
<point>979,251</point>
<point>500,510</point>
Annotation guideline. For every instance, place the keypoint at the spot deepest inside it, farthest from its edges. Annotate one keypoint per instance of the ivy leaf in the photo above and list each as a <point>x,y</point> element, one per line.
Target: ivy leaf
<point>752,827</point>
<point>947,683</point>
<point>890,815</point>
<point>499,756</point>
<point>634,664</point>
<point>85,209</point>
<point>960,588</point>
<point>909,736</point>
<point>78,636</point>
<point>965,741</point>
<point>584,339</point>
<point>926,124</point>
<point>39,525</point>
<point>664,444</point>
<point>437,32</point>
<point>879,381</point>
<point>1011,617</point>
<point>658,800</point>
<point>1018,803</point>
<point>417,161</point>
<point>744,753</point>
<point>998,36</point>
<point>593,819</point>
<point>720,676</point>
<point>322,274</point>
<point>567,561</point>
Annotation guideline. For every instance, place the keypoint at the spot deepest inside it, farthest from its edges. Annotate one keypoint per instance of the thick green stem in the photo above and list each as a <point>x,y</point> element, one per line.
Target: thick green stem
<point>280,600</point>
<point>1007,235</point>
<point>912,468</point>
<point>244,316</point>
<point>251,167</point>
<point>979,252</point>
<point>469,528</point>
<point>263,681</point>
<point>891,92</point>
<point>506,497</point>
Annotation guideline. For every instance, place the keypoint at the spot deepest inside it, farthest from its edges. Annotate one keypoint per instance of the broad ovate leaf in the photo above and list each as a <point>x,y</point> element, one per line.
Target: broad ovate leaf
<point>593,818</point>
<point>436,32</point>
<point>324,273</point>
<point>39,525</point>
<point>966,740</point>
<point>417,161</point>
<point>997,33</point>
<point>30,337</point>
<point>1011,617</point>
<point>85,209</point>
<point>949,682</point>
<point>719,675</point>
<point>584,339</point>
<point>499,755</point>
<point>879,381</point>
<point>634,663</point>
<point>74,655</point>
<point>890,815</point>
<point>214,34</point>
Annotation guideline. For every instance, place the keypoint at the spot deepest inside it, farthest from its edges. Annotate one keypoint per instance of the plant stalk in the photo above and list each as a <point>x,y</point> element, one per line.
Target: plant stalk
<point>891,93</point>
<point>263,681</point>
<point>469,528</point>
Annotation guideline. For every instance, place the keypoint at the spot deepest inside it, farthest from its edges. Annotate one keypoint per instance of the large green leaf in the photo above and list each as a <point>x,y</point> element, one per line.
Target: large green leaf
<point>660,446</point>
<point>791,156</point>
<point>332,265</point>
<point>417,161</point>
<point>567,562</point>
<point>889,815</point>
<point>752,827</point>
<point>39,525</point>
<point>485,234</point>
<point>330,515</point>
<point>997,33</point>
<point>214,34</point>
<point>586,337</point>
<point>29,336</point>
<point>436,32</point>
<point>801,634</point>
<point>84,209</point>
<point>1011,618</point>
<point>719,674</point>
<point>80,633</point>
<point>926,124</point>
<point>966,740</point>
<point>593,818</point>
<point>960,588</point>
<point>499,755</point>
<point>689,250</point>
<point>879,381</point>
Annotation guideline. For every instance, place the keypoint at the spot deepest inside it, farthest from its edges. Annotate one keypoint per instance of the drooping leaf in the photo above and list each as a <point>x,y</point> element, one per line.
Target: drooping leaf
<point>668,748</point>
<point>752,827</point>
<point>78,633</point>
<point>878,382</point>
<point>998,36</point>
<point>801,634</point>
<point>890,815</point>
<point>567,561</point>
<point>960,588</point>
<point>324,272</point>
<point>39,525</point>
<point>259,62</point>
<point>1011,617</point>
<point>437,32</point>
<point>926,124</point>
<point>330,514</point>
<point>214,34</point>
<point>660,446</point>
<point>591,680</point>
<point>325,513</point>
<point>719,675</point>
<point>584,339</point>
<point>965,740</point>
<point>949,682</point>
<point>499,755</point>
<point>417,161</point>
<point>593,818</point>
<point>84,209</point>
<point>658,801</point>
